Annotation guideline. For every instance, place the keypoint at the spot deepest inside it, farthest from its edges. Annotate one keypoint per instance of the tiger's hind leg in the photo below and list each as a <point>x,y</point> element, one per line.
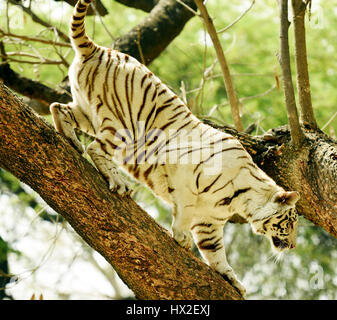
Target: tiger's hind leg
<point>181,229</point>
<point>104,163</point>
<point>209,240</point>
<point>65,121</point>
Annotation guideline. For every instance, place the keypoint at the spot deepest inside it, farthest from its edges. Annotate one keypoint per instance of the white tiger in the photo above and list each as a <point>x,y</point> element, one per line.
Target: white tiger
<point>139,123</point>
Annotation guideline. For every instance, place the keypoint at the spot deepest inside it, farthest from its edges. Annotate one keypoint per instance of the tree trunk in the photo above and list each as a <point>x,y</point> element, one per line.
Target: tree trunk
<point>144,255</point>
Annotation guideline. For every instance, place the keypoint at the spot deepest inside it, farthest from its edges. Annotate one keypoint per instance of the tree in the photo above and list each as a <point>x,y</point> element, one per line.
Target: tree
<point>300,158</point>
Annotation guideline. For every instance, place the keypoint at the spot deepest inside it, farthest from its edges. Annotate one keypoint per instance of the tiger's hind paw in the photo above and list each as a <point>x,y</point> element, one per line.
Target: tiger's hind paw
<point>183,238</point>
<point>232,279</point>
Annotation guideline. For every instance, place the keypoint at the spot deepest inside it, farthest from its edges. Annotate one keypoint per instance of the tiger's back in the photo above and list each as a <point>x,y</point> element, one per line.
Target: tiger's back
<point>126,107</point>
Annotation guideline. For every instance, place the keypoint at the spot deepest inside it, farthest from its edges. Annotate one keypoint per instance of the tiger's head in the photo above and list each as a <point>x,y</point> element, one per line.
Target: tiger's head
<point>281,225</point>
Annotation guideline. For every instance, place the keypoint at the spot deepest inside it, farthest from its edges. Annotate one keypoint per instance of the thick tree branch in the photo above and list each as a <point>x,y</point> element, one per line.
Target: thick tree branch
<point>233,101</point>
<point>32,89</point>
<point>99,7</point>
<point>156,31</point>
<point>145,5</point>
<point>284,58</point>
<point>302,73</point>
<point>152,264</point>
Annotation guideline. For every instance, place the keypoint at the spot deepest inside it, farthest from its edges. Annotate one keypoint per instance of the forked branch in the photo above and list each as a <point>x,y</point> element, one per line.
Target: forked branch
<point>233,101</point>
<point>297,136</point>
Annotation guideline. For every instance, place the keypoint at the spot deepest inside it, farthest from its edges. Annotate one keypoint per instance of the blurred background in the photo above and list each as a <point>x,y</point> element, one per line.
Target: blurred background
<point>40,254</point>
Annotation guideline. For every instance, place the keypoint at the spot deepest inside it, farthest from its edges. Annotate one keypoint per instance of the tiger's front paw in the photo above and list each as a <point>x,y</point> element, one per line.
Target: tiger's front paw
<point>63,121</point>
<point>117,183</point>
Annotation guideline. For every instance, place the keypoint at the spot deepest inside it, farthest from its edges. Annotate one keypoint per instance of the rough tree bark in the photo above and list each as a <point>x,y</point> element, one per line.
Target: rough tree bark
<point>144,255</point>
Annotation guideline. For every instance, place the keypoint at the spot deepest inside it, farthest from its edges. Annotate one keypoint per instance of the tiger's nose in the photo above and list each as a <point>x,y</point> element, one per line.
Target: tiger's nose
<point>292,246</point>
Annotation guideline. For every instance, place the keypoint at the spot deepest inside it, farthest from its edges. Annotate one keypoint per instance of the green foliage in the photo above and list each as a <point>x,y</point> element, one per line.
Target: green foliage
<point>5,249</point>
<point>251,48</point>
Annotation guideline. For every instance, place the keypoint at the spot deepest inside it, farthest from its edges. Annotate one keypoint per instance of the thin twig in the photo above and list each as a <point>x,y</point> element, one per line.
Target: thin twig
<point>329,121</point>
<point>259,95</point>
<point>38,20</point>
<point>42,60</point>
<point>206,71</point>
<point>93,5</point>
<point>256,96</point>
<point>22,54</point>
<point>183,92</point>
<point>229,48</point>
<point>26,38</point>
<point>110,275</point>
<point>62,57</point>
<point>238,18</point>
<point>223,63</point>
<point>188,8</point>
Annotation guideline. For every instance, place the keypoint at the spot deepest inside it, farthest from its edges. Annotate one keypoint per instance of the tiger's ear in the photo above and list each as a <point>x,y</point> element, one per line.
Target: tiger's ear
<point>287,197</point>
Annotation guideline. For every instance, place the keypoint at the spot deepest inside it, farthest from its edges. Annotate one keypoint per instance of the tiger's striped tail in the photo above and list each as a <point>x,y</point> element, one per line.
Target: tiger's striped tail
<point>82,44</point>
